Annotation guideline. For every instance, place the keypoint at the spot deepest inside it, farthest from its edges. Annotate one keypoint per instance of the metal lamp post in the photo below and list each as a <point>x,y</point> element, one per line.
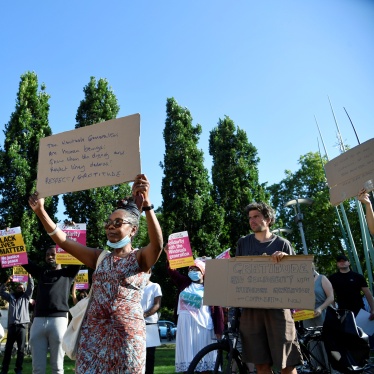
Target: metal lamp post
<point>299,217</point>
<point>279,230</point>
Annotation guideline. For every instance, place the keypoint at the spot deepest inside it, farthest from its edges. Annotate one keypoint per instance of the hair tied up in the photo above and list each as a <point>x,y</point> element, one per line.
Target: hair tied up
<point>129,205</point>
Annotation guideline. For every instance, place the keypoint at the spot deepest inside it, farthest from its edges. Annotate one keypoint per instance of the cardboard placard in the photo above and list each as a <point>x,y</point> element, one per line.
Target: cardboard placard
<point>348,173</point>
<point>258,282</point>
<point>99,155</point>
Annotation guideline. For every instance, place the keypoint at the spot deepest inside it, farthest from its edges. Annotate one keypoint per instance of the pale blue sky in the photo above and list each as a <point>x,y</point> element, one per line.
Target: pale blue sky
<point>270,65</point>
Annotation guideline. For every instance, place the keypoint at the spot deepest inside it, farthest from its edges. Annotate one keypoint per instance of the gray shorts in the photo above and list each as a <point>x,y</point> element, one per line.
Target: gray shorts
<point>269,337</point>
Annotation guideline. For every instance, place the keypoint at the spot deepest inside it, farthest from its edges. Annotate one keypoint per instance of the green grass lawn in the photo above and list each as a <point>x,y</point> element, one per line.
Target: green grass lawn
<point>164,362</point>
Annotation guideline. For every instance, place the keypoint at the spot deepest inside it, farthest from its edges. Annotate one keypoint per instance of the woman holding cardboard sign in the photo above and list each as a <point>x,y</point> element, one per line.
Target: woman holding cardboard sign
<point>112,336</point>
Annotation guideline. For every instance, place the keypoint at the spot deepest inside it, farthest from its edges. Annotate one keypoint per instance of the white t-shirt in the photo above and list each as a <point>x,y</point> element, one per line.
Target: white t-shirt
<point>150,291</point>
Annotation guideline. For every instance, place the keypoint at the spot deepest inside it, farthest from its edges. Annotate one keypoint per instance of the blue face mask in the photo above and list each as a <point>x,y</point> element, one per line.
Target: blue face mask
<point>120,244</point>
<point>194,275</point>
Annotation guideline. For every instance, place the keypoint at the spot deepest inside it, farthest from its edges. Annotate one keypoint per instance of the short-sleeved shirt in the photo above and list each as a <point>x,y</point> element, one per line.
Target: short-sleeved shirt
<point>250,246</point>
<point>150,292</point>
<point>347,288</point>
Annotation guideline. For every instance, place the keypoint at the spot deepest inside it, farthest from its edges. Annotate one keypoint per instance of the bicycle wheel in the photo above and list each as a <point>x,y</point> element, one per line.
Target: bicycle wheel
<point>311,359</point>
<point>214,358</point>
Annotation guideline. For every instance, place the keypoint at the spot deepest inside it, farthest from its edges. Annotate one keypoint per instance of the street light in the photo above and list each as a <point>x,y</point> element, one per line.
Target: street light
<point>299,217</point>
<point>279,230</point>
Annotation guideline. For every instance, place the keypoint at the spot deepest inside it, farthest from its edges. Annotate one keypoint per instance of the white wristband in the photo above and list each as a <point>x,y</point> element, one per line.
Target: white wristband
<point>54,231</point>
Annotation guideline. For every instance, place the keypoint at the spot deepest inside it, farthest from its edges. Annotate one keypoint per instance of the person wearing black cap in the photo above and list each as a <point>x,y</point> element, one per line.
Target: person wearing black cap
<point>112,336</point>
<point>348,288</point>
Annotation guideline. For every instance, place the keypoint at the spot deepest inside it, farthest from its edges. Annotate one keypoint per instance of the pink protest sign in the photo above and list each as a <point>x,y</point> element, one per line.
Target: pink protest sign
<point>76,232</point>
<point>180,253</point>
<point>224,254</point>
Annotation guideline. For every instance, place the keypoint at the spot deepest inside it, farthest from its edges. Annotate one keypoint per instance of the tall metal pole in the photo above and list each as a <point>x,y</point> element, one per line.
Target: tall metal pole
<point>359,211</point>
<point>299,221</point>
<point>352,251</point>
<point>299,218</point>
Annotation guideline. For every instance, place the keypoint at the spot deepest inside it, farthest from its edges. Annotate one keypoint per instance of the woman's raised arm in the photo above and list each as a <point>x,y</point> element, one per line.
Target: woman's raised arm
<point>84,254</point>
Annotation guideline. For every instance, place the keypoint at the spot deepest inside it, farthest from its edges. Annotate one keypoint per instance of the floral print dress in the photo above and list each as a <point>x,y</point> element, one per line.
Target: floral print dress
<point>113,333</point>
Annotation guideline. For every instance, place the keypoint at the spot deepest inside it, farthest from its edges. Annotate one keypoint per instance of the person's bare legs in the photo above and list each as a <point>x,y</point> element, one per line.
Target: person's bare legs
<point>266,369</point>
<point>289,370</point>
<point>263,369</point>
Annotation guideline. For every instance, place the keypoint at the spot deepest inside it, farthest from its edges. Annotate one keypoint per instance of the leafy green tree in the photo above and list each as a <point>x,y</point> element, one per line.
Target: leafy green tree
<point>235,178</point>
<point>186,190</point>
<point>19,160</point>
<point>320,221</point>
<point>94,205</point>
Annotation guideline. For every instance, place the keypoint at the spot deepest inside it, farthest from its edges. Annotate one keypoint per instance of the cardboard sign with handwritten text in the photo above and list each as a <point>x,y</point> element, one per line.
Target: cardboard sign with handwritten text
<point>348,173</point>
<point>99,155</point>
<point>258,282</point>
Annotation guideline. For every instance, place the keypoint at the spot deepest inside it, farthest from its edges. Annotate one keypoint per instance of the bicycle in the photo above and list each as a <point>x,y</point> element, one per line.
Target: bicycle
<point>311,346</point>
<point>226,357</point>
<point>311,343</point>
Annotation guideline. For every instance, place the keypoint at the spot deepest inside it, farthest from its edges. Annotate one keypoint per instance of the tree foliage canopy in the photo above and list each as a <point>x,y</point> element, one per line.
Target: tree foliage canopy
<point>186,190</point>
<point>235,178</point>
<point>320,220</point>
<point>19,159</point>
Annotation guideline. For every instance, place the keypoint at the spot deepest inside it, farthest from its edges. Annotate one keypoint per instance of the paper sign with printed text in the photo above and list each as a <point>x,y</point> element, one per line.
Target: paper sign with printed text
<point>20,274</point>
<point>103,154</point>
<point>12,248</point>
<point>180,253</point>
<point>81,280</point>
<point>302,314</point>
<point>76,232</point>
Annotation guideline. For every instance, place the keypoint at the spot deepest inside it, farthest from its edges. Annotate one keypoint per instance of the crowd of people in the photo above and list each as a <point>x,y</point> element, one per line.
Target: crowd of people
<point>120,334</point>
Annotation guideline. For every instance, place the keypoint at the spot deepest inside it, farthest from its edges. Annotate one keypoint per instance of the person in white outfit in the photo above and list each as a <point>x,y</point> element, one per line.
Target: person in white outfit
<point>151,303</point>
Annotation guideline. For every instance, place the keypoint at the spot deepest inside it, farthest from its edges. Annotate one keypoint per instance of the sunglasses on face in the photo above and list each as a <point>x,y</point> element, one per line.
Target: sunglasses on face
<point>118,222</point>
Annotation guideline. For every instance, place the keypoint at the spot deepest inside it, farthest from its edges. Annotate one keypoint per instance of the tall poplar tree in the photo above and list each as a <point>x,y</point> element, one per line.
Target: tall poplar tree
<point>19,161</point>
<point>235,178</point>
<point>186,190</point>
<point>94,205</point>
